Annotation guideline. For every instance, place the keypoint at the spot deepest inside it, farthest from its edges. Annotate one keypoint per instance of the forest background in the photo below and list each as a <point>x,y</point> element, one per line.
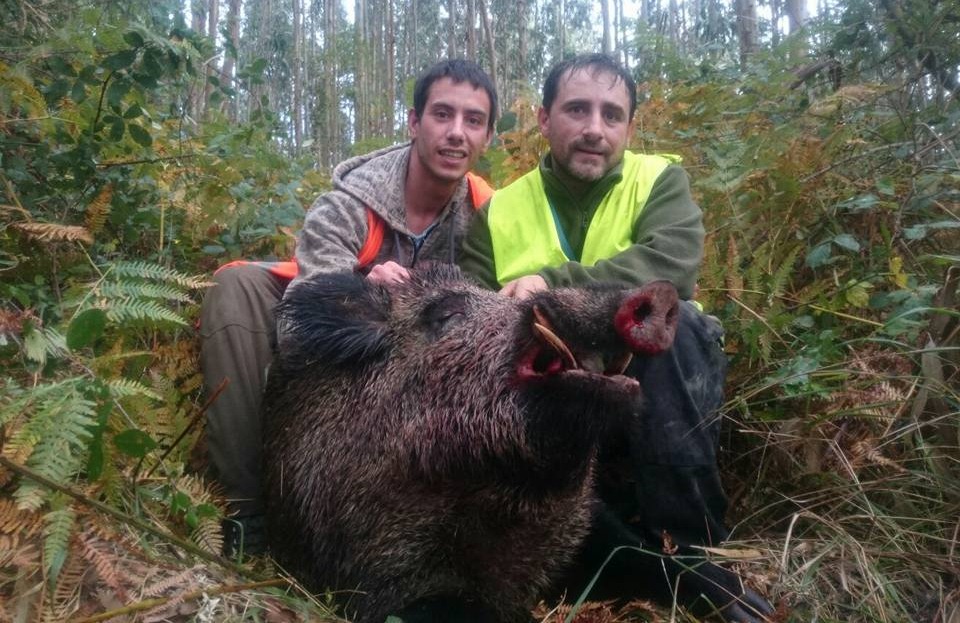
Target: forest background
<point>144,143</point>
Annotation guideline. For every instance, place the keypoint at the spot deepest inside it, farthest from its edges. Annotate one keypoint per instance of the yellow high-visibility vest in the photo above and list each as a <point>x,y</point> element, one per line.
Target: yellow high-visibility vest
<point>524,231</point>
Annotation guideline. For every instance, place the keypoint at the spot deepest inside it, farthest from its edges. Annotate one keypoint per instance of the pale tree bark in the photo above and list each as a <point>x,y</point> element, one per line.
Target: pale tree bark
<point>198,22</point>
<point>376,71</point>
<point>561,30</point>
<point>488,35</point>
<point>229,61</point>
<point>523,41</point>
<point>622,36</point>
<point>692,33</point>
<point>332,103</point>
<point>415,60</point>
<point>472,29</point>
<point>747,29</point>
<point>713,26</point>
<point>213,25</point>
<point>776,12</point>
<point>607,41</point>
<point>360,40</point>
<point>673,22</point>
<point>796,16</point>
<point>390,83</point>
<point>452,29</point>
<point>296,69</point>
<point>311,75</point>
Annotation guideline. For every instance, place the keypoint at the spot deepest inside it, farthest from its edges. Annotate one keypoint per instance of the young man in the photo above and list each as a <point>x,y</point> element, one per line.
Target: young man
<point>594,212</point>
<point>388,210</point>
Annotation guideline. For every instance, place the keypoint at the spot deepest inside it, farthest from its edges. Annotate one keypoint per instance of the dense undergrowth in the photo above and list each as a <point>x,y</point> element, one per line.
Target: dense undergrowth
<point>833,213</point>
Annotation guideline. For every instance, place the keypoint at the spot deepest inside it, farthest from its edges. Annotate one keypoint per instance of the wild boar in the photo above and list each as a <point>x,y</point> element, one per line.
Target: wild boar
<point>433,443</point>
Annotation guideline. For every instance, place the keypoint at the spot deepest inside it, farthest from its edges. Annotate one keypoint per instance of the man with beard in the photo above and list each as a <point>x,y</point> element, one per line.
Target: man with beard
<point>594,212</point>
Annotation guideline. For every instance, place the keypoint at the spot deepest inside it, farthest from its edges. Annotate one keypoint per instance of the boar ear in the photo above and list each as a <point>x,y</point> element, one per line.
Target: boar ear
<point>337,319</point>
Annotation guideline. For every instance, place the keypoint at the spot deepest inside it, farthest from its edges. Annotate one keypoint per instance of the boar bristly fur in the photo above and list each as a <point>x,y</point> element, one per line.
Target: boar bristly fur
<point>436,441</point>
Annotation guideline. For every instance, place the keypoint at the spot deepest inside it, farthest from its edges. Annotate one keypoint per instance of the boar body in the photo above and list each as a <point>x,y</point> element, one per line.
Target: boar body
<point>436,441</point>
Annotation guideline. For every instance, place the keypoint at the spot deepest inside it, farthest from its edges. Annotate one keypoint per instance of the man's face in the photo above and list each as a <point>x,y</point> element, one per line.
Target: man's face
<point>588,124</point>
<point>452,134</point>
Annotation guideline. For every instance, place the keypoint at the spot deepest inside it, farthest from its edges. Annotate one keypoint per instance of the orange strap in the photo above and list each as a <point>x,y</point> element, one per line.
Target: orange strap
<point>284,270</point>
<point>371,246</point>
<point>480,191</point>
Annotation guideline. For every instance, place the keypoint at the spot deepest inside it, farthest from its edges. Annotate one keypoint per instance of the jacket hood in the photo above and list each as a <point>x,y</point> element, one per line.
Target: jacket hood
<point>376,179</point>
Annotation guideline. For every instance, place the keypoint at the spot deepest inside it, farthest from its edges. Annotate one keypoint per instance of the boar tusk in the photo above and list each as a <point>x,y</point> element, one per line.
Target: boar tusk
<point>542,326</point>
<point>619,365</point>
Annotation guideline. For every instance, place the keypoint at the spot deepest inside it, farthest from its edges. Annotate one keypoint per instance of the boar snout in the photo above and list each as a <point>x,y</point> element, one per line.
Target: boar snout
<point>647,319</point>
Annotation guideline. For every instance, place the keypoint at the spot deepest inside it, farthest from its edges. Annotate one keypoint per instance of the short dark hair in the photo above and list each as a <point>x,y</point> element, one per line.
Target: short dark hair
<point>595,63</point>
<point>458,70</point>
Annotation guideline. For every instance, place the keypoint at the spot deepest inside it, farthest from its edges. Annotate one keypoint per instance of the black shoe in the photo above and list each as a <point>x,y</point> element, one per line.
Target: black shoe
<point>244,536</point>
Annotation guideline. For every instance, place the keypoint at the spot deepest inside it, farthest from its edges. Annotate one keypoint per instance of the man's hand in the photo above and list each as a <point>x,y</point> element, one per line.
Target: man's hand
<point>524,287</point>
<point>387,273</point>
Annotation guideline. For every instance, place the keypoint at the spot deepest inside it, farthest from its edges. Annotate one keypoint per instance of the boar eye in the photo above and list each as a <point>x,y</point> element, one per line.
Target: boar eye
<point>442,314</point>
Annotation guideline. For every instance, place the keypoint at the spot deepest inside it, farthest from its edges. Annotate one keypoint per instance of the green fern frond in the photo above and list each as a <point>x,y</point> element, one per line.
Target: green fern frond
<point>140,290</point>
<point>57,531</point>
<point>26,398</point>
<point>41,343</point>
<point>53,442</point>
<point>786,269</point>
<point>122,388</point>
<point>155,272</point>
<point>127,310</point>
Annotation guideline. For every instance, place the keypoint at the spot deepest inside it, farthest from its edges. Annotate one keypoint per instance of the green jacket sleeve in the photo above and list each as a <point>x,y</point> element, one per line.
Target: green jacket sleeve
<point>476,254</point>
<point>668,243</point>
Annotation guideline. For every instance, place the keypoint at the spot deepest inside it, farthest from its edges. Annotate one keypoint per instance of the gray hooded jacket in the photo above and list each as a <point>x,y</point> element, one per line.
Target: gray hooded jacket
<point>335,228</point>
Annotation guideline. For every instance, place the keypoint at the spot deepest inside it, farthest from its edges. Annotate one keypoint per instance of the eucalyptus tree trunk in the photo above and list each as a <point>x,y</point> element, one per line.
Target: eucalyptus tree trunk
<point>390,79</point>
<point>332,103</point>
<point>471,25</point>
<point>713,26</point>
<point>198,22</point>
<point>415,31</point>
<point>213,26</point>
<point>488,34</point>
<point>622,36</point>
<point>673,22</point>
<point>297,75</point>
<point>796,16</point>
<point>360,42</point>
<point>561,30</point>
<point>776,12</point>
<point>226,74</point>
<point>523,41</point>
<point>452,28</point>
<point>607,41</point>
<point>747,29</point>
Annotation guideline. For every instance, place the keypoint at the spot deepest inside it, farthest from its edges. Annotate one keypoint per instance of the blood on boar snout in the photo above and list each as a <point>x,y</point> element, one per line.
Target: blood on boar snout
<point>435,441</point>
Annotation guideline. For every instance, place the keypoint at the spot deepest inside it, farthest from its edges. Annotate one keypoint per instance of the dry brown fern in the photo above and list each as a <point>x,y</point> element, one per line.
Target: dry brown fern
<point>105,560</point>
<point>98,210</point>
<point>171,581</point>
<point>18,553</point>
<point>599,612</point>
<point>66,596</point>
<point>22,523</point>
<point>54,232</point>
<point>856,420</point>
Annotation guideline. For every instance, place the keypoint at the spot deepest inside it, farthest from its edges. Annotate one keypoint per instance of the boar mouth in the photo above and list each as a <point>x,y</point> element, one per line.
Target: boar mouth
<point>551,356</point>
